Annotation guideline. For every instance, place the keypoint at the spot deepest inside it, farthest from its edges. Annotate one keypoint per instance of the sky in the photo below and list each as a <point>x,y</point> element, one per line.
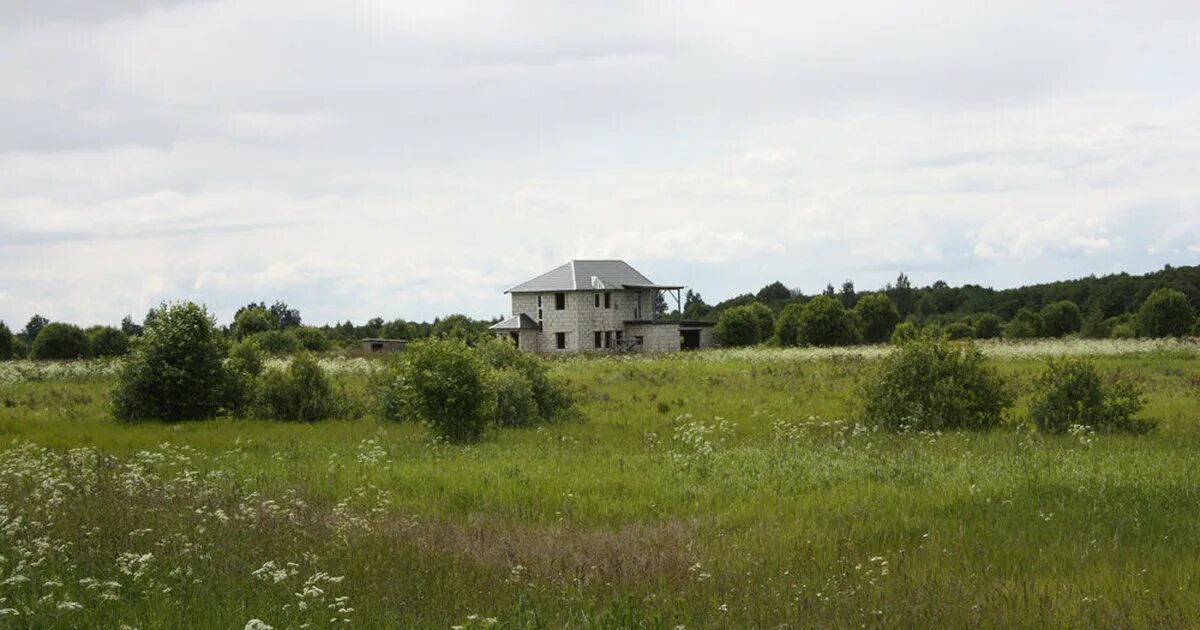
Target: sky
<point>361,159</point>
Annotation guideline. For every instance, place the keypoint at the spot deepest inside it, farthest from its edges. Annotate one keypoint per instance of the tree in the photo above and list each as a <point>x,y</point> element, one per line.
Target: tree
<point>926,307</point>
<point>33,327</point>
<point>660,305</point>
<point>902,295</point>
<point>129,328</point>
<point>287,317</point>
<point>106,341</point>
<point>313,339</point>
<point>6,342</point>
<point>1094,326</point>
<point>177,371</point>
<point>1060,318</point>
<point>848,297</point>
<point>458,327</point>
<point>694,306</point>
<point>444,384</point>
<point>824,322</point>
<point>57,340</point>
<point>253,319</point>
<point>765,318</point>
<point>397,329</point>
<point>988,326</point>
<point>787,325</point>
<point>1165,313</point>
<point>1024,325</point>
<point>879,316</point>
<point>774,292</point>
<point>829,292</point>
<point>739,326</point>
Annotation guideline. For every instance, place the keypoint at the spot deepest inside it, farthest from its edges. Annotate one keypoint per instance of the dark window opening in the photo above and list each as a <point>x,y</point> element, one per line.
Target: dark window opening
<point>638,339</point>
<point>560,301</point>
<point>516,338</point>
<point>597,338</point>
<point>607,300</point>
<point>376,347</point>
<point>608,339</point>
<point>560,340</point>
<point>597,296</point>
<point>619,337</point>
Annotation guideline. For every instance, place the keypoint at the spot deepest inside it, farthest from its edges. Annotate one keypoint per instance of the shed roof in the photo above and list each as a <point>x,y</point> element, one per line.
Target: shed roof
<point>588,275</point>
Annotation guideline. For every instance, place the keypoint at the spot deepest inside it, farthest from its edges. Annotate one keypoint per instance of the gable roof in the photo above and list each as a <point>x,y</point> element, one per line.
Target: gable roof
<point>588,275</point>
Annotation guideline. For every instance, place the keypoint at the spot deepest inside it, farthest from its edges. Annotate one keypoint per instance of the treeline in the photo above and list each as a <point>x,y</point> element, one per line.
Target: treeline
<point>1094,307</point>
<point>276,329</point>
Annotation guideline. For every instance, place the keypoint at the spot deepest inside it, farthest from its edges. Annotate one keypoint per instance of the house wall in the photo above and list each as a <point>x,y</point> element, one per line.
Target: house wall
<point>655,338</point>
<point>581,318</point>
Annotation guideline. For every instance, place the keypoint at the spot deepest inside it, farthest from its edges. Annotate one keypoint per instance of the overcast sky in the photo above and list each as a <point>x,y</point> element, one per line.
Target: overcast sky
<point>416,159</point>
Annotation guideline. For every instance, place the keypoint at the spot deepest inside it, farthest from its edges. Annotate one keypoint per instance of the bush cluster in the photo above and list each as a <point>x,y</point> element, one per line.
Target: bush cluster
<point>459,390</point>
<point>57,340</point>
<point>298,393</point>
<point>745,325</point>
<point>1070,393</point>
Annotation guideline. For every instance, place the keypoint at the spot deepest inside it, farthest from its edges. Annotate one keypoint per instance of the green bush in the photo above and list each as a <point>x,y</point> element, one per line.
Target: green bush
<point>516,405</point>
<point>1024,325</point>
<point>298,393</point>
<point>107,341</point>
<point>1070,393</point>
<point>988,326</point>
<point>311,339</point>
<point>6,343</point>
<point>904,333</point>
<point>1060,318</point>
<point>765,318</point>
<point>444,384</point>
<point>1123,331</point>
<point>60,341</point>
<point>278,342</point>
<point>738,326</point>
<point>958,330</point>
<point>1165,313</point>
<point>787,325</point>
<point>879,317</point>
<point>930,384</point>
<point>825,322</point>
<point>459,327</point>
<point>550,397</point>
<point>176,372</point>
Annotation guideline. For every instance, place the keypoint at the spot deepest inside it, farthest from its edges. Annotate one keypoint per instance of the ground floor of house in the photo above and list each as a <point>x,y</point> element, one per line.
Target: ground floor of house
<point>631,336</point>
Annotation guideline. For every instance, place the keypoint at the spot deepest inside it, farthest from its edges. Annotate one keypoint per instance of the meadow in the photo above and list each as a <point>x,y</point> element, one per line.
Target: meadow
<point>725,488</point>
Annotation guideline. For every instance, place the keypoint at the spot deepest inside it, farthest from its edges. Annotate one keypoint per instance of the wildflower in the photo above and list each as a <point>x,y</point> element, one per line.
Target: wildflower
<point>69,605</point>
<point>257,624</point>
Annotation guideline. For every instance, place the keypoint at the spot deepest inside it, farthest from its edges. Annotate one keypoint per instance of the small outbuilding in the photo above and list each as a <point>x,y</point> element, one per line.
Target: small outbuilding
<point>384,345</point>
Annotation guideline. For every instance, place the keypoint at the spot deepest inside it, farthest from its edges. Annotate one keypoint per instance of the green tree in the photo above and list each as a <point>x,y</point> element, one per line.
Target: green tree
<point>988,326</point>
<point>1165,313</point>
<point>958,330</point>
<point>694,306</point>
<point>825,322</point>
<point>177,371</point>
<point>57,340</point>
<point>285,316</point>
<point>6,342</point>
<point>879,316</point>
<point>1094,326</point>
<point>252,320</point>
<point>765,318</point>
<point>397,329</point>
<point>1060,318</point>
<point>313,339</point>
<point>444,384</point>
<point>774,292</point>
<point>738,326</point>
<point>458,327</point>
<point>1024,325</point>
<point>129,327</point>
<point>106,341</point>
<point>787,325</point>
<point>904,333</point>
<point>33,327</point>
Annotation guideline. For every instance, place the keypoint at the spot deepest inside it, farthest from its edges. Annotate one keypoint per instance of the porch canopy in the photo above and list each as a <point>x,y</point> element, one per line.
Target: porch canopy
<point>516,322</point>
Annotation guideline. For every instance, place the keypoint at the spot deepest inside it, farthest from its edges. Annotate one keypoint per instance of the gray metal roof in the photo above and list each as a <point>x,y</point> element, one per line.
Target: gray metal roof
<point>516,322</point>
<point>587,275</point>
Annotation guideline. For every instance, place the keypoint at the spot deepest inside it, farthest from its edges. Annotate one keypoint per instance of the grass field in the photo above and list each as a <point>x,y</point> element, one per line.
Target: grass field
<point>714,489</point>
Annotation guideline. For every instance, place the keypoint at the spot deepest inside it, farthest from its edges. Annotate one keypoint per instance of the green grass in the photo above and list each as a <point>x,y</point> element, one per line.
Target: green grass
<point>726,489</point>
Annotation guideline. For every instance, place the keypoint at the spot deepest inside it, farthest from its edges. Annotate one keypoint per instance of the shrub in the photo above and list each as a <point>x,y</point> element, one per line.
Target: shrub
<point>311,339</point>
<point>931,384</point>
<point>176,372</point>
<point>787,325</point>
<point>6,343</point>
<point>1070,393</point>
<point>444,384</point>
<point>904,333</point>
<point>824,322</point>
<point>1024,325</point>
<point>398,329</point>
<point>1060,318</point>
<point>515,404</point>
<point>958,330</point>
<point>1123,331</point>
<point>252,320</point>
<point>459,327</point>
<point>298,393</point>
<point>879,317</point>
<point>57,340</point>
<point>550,397</point>
<point>988,326</point>
<point>738,326</point>
<point>278,342</point>
<point>765,318</point>
<point>1165,313</point>
<point>106,341</point>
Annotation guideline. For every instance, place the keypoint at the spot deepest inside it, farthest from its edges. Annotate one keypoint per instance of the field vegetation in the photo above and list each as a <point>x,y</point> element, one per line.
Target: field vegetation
<point>727,488</point>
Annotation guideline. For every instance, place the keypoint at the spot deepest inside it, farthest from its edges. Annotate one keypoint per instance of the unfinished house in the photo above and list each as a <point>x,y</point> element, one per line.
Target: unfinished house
<point>597,305</point>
